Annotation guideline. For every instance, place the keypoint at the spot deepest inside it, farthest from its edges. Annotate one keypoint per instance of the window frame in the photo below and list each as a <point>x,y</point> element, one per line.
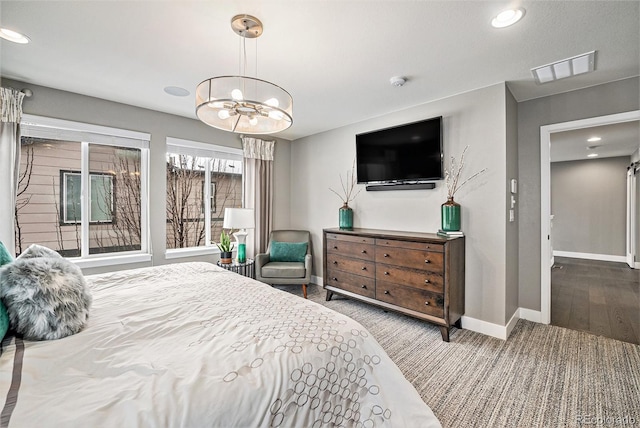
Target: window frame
<point>87,134</point>
<point>63,197</point>
<point>209,151</point>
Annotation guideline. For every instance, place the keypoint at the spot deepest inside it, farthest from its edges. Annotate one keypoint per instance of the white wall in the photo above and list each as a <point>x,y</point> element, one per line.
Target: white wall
<point>589,206</point>
<point>476,119</point>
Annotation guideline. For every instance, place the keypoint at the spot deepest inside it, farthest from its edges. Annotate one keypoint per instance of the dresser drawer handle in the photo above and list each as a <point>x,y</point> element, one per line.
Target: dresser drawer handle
<point>386,291</point>
<point>335,262</point>
<point>427,261</point>
<point>364,268</point>
<point>364,286</point>
<point>335,247</point>
<point>364,251</point>
<point>334,278</point>
<point>386,255</point>
<point>386,273</point>
<point>426,281</point>
<point>426,303</point>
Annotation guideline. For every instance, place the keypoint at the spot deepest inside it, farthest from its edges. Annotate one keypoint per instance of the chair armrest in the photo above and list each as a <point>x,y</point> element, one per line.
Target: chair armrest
<point>261,260</point>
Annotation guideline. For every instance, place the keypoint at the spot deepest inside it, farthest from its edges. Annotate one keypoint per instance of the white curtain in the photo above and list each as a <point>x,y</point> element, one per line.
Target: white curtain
<point>11,105</point>
<point>258,190</point>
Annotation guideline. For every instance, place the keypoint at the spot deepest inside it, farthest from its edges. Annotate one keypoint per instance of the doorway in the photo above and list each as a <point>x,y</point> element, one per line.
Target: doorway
<point>545,202</point>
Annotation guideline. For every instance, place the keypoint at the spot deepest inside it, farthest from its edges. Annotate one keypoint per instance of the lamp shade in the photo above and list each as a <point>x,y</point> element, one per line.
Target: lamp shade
<point>244,105</point>
<point>238,218</point>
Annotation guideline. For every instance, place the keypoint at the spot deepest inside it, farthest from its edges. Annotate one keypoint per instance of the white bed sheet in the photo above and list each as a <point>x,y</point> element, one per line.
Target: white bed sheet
<point>194,345</point>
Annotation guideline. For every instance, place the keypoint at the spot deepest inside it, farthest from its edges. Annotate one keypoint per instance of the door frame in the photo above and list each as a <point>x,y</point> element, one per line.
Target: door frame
<point>545,195</point>
<point>632,217</point>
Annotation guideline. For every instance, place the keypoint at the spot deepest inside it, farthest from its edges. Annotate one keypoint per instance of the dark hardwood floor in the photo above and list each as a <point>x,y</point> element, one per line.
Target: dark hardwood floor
<point>598,297</point>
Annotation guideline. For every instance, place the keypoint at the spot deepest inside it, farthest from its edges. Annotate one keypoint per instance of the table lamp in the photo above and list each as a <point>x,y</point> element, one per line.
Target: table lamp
<point>243,219</point>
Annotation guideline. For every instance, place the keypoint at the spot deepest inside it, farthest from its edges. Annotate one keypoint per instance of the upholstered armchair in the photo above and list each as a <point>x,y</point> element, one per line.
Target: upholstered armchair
<point>287,260</point>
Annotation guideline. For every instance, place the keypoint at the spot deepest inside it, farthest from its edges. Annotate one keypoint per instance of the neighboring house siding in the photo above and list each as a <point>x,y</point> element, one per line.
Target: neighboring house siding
<point>588,201</point>
<point>40,205</point>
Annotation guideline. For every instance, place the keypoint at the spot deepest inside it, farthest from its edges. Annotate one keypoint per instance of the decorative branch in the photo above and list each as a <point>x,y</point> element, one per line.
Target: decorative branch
<point>452,175</point>
<point>348,186</point>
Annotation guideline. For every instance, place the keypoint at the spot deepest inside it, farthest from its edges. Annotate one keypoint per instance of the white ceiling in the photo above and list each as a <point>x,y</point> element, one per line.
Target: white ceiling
<point>334,57</point>
<point>620,139</point>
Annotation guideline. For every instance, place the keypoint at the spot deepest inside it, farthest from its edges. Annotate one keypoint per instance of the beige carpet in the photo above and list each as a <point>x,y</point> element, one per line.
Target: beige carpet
<point>543,376</point>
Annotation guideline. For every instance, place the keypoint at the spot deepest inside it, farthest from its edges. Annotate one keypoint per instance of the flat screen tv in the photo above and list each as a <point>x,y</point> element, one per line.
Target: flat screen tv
<point>401,154</point>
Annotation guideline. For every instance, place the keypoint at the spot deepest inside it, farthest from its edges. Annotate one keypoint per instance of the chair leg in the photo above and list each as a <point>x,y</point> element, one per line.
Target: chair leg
<point>304,290</point>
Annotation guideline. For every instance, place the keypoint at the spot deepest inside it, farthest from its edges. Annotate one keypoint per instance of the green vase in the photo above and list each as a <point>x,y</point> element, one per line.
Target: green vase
<point>450,216</point>
<point>345,217</point>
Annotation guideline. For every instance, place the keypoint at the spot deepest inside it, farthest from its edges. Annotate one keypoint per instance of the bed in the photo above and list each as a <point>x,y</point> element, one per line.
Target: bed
<point>194,345</point>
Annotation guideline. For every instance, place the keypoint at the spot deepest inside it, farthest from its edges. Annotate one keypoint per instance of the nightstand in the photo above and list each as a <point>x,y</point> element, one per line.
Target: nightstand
<point>246,269</point>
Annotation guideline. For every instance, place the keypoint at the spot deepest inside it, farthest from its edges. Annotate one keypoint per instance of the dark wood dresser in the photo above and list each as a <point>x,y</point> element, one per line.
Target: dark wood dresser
<point>417,274</point>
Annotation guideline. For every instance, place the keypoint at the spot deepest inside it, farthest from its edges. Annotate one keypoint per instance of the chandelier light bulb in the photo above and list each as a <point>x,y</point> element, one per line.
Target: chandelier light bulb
<point>224,114</point>
<point>236,94</point>
<point>273,102</point>
<point>253,121</point>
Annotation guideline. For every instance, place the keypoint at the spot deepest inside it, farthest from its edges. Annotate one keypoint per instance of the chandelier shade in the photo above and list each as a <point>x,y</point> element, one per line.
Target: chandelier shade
<point>243,104</point>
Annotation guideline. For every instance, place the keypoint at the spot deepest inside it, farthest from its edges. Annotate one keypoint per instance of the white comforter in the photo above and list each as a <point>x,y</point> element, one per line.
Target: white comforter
<point>193,345</point>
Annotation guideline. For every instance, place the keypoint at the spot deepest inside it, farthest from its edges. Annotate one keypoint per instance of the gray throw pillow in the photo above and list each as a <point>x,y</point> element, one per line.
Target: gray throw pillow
<point>36,250</point>
<point>46,297</point>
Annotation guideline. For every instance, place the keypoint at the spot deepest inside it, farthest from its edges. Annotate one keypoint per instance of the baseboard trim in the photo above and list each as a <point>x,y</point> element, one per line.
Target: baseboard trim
<point>512,323</point>
<point>497,330</point>
<point>590,256</point>
<point>484,327</point>
<point>530,315</point>
<point>317,280</point>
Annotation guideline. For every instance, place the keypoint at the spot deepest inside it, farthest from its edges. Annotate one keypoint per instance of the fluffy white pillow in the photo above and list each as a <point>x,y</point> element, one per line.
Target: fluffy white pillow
<point>46,297</point>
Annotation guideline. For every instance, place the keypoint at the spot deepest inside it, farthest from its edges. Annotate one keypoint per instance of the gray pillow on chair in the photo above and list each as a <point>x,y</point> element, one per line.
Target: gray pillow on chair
<point>46,297</point>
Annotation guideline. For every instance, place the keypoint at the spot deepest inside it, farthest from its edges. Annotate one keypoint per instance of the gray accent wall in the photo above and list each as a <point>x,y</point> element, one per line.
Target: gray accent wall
<point>512,232</point>
<point>79,108</point>
<point>611,98</point>
<point>477,119</point>
<point>589,205</point>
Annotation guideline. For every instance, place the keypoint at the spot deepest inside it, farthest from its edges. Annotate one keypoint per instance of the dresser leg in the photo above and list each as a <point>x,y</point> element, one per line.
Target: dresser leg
<point>329,295</point>
<point>444,331</point>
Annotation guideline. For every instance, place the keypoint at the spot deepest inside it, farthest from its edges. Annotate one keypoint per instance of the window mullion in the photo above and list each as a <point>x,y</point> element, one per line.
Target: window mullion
<point>144,200</point>
<point>207,202</point>
<point>85,199</point>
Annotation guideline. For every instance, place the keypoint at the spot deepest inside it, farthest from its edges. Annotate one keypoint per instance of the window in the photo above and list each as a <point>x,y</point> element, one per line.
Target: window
<point>196,173</point>
<point>82,191</point>
<point>101,208</point>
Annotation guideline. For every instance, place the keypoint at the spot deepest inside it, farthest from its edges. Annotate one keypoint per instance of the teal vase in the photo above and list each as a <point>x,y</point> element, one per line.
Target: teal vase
<point>345,217</point>
<point>450,216</point>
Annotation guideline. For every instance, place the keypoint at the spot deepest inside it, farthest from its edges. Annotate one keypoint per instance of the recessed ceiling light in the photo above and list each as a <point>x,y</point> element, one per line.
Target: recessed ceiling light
<point>592,155</point>
<point>14,36</point>
<point>594,139</point>
<point>507,17</point>
<point>176,91</point>
<point>579,64</point>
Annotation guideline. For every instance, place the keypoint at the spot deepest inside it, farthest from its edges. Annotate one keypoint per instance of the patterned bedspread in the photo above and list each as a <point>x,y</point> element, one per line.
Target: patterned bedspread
<point>194,345</point>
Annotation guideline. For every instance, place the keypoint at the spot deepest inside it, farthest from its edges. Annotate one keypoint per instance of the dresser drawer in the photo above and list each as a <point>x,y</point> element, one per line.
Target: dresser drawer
<point>411,298</point>
<point>416,259</point>
<point>427,246</point>
<point>351,238</point>
<point>415,278</point>
<point>356,266</point>
<point>356,250</point>
<point>349,282</point>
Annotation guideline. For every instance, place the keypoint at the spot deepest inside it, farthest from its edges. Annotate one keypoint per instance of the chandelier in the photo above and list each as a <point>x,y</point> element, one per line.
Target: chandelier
<point>243,104</point>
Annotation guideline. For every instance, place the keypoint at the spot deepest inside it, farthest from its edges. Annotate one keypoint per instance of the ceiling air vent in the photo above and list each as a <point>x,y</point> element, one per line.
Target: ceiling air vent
<point>562,69</point>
